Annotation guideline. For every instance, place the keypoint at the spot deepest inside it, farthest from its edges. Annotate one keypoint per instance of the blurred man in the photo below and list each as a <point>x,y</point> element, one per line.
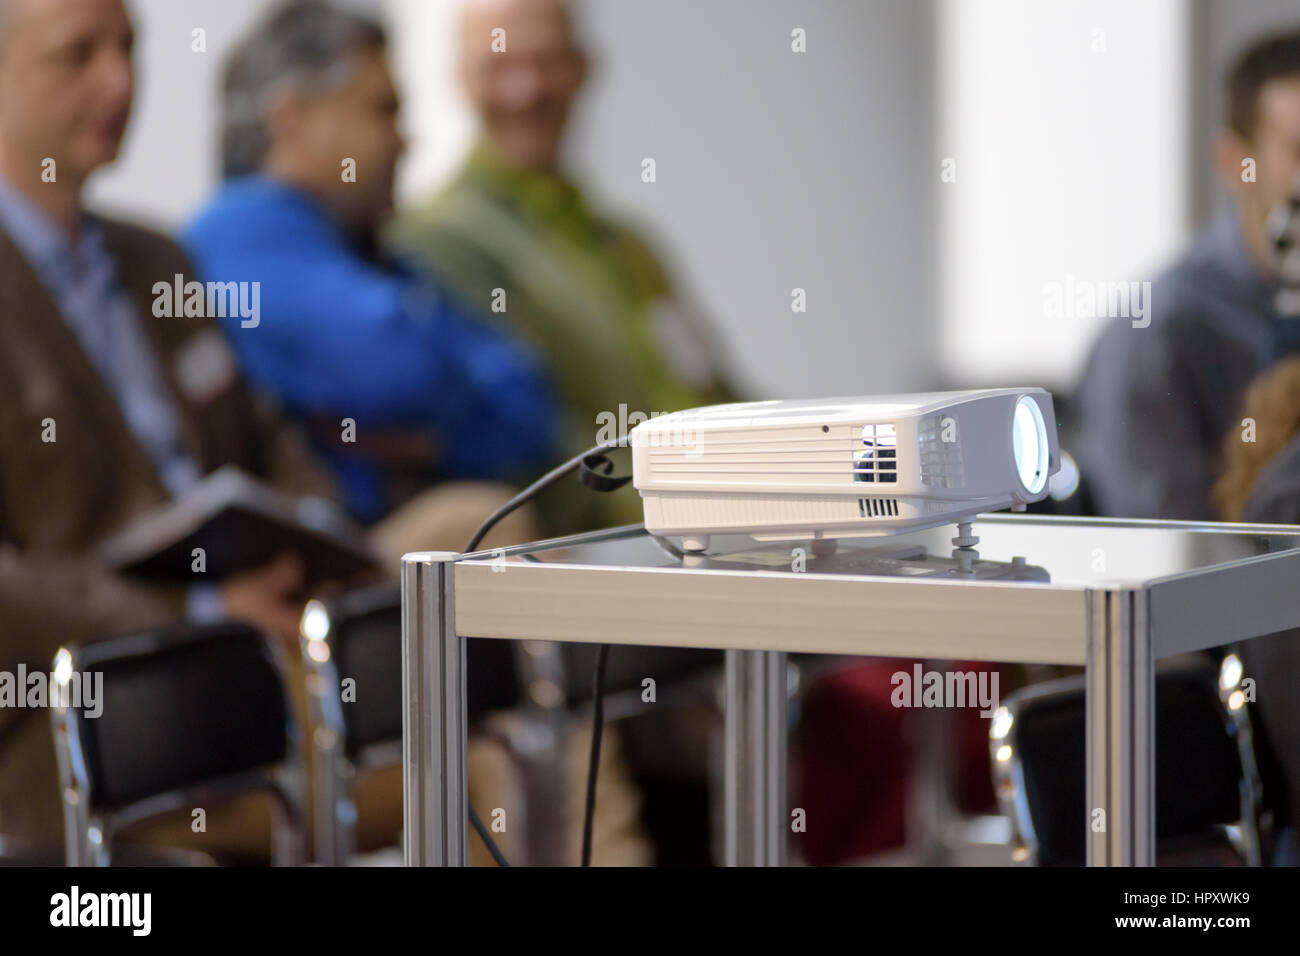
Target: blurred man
<point>402,387</point>
<point>1156,401</point>
<point>106,411</point>
<point>513,234</point>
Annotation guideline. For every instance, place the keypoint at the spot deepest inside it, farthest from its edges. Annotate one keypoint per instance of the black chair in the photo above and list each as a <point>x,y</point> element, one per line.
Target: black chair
<point>187,718</point>
<point>1209,789</point>
<point>357,727</point>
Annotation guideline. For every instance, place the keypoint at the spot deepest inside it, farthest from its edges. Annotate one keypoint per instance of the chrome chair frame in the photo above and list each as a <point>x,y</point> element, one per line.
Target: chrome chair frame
<point>1009,782</point>
<point>535,745</point>
<point>535,739</point>
<point>89,832</point>
<point>333,773</point>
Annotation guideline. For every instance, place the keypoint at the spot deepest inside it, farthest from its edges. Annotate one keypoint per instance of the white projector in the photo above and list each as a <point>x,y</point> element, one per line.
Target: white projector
<point>843,467</point>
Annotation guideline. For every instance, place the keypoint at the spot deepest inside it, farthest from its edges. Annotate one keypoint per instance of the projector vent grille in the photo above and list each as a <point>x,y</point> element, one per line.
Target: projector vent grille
<point>878,507</point>
<point>796,458</point>
<point>940,451</point>
<point>876,459</point>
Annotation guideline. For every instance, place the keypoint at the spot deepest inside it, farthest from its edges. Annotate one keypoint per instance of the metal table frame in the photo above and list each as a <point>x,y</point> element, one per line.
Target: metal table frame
<point>1117,633</point>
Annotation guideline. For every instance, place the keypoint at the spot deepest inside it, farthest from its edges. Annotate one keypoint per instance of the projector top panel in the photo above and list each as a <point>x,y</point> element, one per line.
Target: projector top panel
<point>798,411</point>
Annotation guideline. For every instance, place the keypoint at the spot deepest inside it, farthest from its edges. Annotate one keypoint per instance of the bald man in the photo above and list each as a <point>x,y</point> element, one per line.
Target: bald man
<point>513,234</point>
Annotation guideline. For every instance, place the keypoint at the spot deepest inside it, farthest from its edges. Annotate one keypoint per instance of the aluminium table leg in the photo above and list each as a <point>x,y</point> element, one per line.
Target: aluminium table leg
<point>756,696</point>
<point>933,811</point>
<point>433,714</point>
<point>1120,733</point>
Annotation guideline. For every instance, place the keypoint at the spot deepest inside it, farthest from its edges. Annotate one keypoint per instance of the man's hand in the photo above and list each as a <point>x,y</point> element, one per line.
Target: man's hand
<point>268,597</point>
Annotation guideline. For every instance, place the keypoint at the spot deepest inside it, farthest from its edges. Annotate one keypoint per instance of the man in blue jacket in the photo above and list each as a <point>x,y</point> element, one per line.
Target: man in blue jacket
<point>400,385</point>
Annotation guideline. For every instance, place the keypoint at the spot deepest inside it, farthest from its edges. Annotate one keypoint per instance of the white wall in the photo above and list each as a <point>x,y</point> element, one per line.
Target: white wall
<point>437,121</point>
<point>1071,161</point>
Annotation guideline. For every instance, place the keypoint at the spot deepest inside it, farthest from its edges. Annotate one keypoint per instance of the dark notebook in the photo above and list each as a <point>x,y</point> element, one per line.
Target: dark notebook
<point>241,524</point>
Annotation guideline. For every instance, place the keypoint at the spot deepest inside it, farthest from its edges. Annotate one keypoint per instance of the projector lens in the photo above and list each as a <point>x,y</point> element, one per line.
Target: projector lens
<point>1029,445</point>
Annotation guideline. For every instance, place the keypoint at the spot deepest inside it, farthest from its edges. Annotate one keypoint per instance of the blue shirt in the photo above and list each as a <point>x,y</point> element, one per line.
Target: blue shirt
<point>340,336</point>
<point>1155,403</point>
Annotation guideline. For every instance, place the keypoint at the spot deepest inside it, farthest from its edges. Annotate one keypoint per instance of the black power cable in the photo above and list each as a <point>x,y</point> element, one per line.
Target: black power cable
<point>589,462</point>
<point>593,761</point>
<point>593,467</point>
<point>483,833</point>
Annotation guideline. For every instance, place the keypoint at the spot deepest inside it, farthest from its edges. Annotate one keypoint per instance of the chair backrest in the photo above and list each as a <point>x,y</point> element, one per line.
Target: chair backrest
<point>352,654</point>
<point>1200,764</point>
<point>180,708</point>
<point>364,633</point>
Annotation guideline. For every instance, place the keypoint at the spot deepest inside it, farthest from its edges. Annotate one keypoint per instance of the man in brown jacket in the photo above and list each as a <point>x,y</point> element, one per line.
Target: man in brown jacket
<point>106,411</point>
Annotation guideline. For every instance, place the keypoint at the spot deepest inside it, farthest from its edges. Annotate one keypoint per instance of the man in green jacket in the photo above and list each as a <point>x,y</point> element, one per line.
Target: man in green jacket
<point>515,236</point>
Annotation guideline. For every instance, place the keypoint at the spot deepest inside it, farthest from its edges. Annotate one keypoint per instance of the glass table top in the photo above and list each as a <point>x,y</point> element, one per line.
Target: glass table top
<point>1082,552</point>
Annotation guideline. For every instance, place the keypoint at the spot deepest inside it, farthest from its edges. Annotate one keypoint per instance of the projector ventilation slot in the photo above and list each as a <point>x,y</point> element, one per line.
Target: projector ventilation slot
<point>877,458</point>
<point>878,507</point>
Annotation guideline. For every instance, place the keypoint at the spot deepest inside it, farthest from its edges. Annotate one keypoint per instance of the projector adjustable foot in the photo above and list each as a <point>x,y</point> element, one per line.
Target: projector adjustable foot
<point>964,548</point>
<point>698,543</point>
<point>965,539</point>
